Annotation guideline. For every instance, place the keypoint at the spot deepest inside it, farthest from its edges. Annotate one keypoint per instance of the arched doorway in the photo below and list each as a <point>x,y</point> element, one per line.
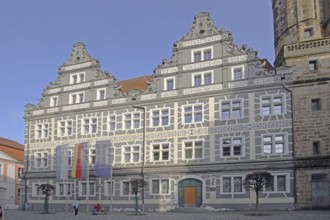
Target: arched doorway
<point>190,193</point>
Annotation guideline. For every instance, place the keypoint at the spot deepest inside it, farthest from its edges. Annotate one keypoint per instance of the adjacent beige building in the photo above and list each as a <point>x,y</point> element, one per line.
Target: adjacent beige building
<point>302,42</point>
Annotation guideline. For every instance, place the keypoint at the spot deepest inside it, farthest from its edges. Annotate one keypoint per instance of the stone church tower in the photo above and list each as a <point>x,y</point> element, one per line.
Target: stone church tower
<point>302,42</point>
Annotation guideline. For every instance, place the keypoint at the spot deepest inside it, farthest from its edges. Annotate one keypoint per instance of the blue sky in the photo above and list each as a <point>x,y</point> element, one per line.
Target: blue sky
<point>129,37</point>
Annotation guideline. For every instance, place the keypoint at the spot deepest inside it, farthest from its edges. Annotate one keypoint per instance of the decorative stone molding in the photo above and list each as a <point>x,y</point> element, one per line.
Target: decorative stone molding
<point>38,112</point>
<point>52,91</point>
<point>78,66</point>
<point>237,59</point>
<point>119,101</point>
<point>101,82</point>
<point>169,70</point>
<point>201,41</point>
<point>100,103</point>
<point>308,45</point>
<point>52,110</point>
<point>241,83</point>
<point>149,96</point>
<point>169,94</point>
<point>201,89</point>
<point>78,86</point>
<point>204,64</point>
<point>265,80</point>
<point>74,107</point>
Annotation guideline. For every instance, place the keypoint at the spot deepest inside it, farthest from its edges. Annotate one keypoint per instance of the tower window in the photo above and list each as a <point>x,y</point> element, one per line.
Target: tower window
<point>316,104</point>
<point>316,148</point>
<point>308,32</point>
<point>312,65</point>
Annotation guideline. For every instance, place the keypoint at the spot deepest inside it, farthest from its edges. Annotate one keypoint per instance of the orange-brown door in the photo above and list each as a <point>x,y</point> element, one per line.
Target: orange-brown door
<point>189,193</point>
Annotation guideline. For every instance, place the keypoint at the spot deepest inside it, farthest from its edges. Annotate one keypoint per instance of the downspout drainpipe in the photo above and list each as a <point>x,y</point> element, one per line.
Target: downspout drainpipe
<point>27,165</point>
<point>293,151</point>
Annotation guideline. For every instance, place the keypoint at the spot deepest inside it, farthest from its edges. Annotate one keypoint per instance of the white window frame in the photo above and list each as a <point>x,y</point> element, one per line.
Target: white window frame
<point>160,151</point>
<point>159,186</point>
<point>166,82</point>
<point>87,128</point>
<point>160,117</point>
<point>35,191</point>
<point>53,101</point>
<point>70,157</point>
<point>193,149</point>
<point>132,119</point>
<point>91,156</point>
<point>202,74</point>
<point>232,187</point>
<point>110,121</point>
<point>99,95</point>
<point>273,143</point>
<point>202,51</point>
<point>287,183</point>
<point>232,145</point>
<point>43,157</point>
<point>106,188</point>
<point>41,130</point>
<point>122,188</point>
<point>67,191</point>
<point>66,128</point>
<point>88,187</point>
<point>233,72</point>
<point>131,152</point>
<point>272,104</point>
<point>75,98</point>
<point>231,108</point>
<point>81,77</point>
<point>193,113</point>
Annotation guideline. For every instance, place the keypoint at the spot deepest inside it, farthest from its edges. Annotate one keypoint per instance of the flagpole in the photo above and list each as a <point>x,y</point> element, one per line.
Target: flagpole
<point>87,193</point>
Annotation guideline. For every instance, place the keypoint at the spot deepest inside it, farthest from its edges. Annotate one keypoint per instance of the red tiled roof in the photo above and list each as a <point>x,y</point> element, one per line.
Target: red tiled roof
<point>139,83</point>
<point>12,148</point>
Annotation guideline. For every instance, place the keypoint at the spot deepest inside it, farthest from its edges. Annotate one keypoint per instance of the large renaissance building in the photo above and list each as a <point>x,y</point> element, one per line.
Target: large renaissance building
<point>208,116</point>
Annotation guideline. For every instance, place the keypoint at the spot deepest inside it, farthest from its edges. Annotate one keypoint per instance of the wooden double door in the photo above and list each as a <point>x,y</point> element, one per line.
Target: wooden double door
<point>190,193</point>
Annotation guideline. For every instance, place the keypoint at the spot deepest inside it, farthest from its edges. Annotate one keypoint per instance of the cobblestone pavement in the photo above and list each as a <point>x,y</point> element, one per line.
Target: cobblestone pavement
<point>237,215</point>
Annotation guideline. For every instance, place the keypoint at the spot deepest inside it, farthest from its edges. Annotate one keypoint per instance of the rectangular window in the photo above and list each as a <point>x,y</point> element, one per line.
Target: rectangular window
<point>160,186</point>
<point>77,78</point>
<point>41,159</point>
<point>169,83</point>
<point>112,123</point>
<point>101,94</point>
<point>232,147</point>
<point>92,156</point>
<point>312,65</point>
<point>41,131</point>
<point>200,79</point>
<point>192,113</point>
<point>193,149</point>
<point>109,187</point>
<point>274,144</point>
<point>131,154</point>
<point>89,126</point>
<point>316,104</point>
<point>64,189</point>
<point>278,183</point>
<point>53,101</point>
<point>87,188</point>
<point>232,185</point>
<point>160,117</point>
<point>202,54</point>
<point>19,172</point>
<point>132,120</point>
<point>64,128</point>
<point>126,188</point>
<point>76,98</point>
<point>316,148</point>
<point>308,32</point>
<point>272,105</point>
<point>70,155</point>
<point>231,109</point>
<point>238,73</point>
<point>160,152</point>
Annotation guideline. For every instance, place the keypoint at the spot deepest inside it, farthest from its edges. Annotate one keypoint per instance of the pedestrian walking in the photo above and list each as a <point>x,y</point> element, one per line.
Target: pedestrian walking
<point>75,205</point>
